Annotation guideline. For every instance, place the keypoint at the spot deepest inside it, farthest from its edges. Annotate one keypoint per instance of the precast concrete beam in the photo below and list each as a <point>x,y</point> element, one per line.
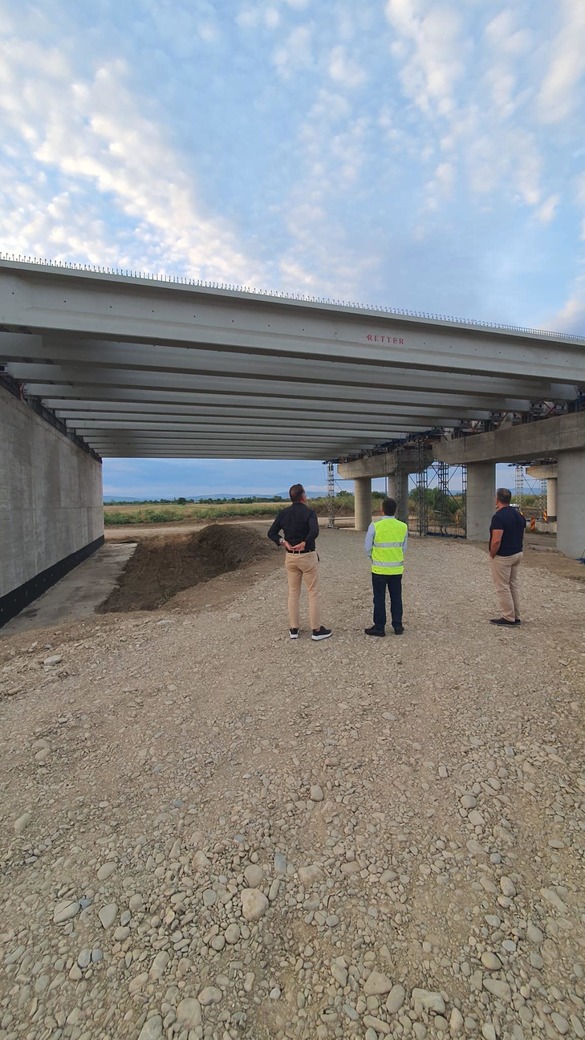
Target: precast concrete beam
<point>247,376</point>
<point>373,434</point>
<point>516,443</point>
<point>106,395</point>
<point>89,304</point>
<point>181,413</point>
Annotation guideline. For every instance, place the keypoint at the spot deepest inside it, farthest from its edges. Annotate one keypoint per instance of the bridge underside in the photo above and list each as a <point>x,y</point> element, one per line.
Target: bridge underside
<point>144,368</point>
<point>96,364</point>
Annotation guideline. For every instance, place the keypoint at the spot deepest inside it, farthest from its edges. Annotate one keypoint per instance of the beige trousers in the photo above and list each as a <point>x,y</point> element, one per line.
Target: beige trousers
<point>301,566</point>
<point>505,576</point>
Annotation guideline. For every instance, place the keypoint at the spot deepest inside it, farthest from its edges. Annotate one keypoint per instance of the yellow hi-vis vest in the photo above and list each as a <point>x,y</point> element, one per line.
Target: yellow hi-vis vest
<point>388,546</point>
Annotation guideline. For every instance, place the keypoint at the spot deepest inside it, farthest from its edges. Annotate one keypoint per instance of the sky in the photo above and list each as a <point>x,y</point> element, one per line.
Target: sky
<point>420,154</point>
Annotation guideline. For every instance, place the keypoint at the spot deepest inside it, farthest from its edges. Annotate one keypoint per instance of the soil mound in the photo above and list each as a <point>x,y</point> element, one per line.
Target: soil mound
<point>163,566</point>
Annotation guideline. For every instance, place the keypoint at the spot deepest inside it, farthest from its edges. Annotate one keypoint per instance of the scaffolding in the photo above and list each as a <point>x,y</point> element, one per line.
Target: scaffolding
<point>519,487</point>
<point>330,494</point>
<point>440,493</point>
<point>420,492</point>
<point>443,512</point>
<point>542,500</point>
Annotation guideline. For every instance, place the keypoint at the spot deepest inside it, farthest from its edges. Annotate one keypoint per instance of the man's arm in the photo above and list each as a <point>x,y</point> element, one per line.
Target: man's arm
<point>495,541</point>
<point>274,532</point>
<point>369,541</point>
<point>313,526</point>
<point>405,542</point>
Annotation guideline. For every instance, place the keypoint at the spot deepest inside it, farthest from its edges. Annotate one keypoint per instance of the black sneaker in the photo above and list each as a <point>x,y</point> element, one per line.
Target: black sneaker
<point>294,633</point>
<point>373,631</point>
<point>398,630</point>
<point>321,633</point>
<point>502,621</point>
<point>517,621</point>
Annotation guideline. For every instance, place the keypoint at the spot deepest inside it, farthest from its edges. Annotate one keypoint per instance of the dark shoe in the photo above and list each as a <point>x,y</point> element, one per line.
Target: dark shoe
<point>502,621</point>
<point>321,633</point>
<point>517,621</point>
<point>373,631</point>
<point>398,630</point>
<point>294,633</point>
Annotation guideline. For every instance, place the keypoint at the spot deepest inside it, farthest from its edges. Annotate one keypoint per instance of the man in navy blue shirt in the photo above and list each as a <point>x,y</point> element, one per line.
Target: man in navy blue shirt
<point>300,527</point>
<point>506,545</point>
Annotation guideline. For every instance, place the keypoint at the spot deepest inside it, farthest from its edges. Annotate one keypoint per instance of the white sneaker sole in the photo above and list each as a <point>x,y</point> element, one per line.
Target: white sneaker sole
<point>317,638</point>
<point>294,636</point>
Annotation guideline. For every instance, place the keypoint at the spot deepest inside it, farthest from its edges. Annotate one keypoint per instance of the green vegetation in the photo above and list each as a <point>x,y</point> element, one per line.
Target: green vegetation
<point>159,513</point>
<point>163,511</point>
<point>437,501</point>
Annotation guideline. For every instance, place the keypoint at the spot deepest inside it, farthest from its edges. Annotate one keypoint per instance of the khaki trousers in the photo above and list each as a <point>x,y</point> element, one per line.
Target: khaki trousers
<point>301,566</point>
<point>505,576</point>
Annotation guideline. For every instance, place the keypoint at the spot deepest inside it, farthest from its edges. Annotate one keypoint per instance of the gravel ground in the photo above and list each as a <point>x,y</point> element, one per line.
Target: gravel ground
<point>210,831</point>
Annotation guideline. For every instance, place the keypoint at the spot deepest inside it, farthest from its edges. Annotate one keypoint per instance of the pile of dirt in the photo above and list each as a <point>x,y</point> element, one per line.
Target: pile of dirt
<point>161,567</point>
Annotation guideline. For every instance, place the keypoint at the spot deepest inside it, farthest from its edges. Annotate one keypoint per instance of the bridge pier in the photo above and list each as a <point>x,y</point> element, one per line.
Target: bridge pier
<point>395,467</point>
<point>571,504</point>
<point>363,503</point>
<point>479,504</point>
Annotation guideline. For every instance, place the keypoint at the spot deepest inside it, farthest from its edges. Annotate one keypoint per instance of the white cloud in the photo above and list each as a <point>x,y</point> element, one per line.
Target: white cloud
<point>571,317</point>
<point>437,46</point>
<point>559,95</point>
<point>94,129</point>
<point>296,51</point>
<point>343,70</point>
<point>502,33</point>
<point>546,212</point>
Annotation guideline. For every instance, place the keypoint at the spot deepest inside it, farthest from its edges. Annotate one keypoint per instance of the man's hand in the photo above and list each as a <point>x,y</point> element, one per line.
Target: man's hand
<point>294,548</point>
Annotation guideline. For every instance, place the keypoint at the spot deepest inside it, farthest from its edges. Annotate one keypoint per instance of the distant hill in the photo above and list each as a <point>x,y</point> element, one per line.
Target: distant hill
<point>109,499</point>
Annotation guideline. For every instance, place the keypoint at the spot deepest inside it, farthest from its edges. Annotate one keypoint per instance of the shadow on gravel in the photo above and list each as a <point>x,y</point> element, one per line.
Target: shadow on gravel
<point>163,566</point>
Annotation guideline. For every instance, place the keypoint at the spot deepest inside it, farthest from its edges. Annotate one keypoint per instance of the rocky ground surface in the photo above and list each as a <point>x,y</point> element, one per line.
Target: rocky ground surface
<point>210,831</point>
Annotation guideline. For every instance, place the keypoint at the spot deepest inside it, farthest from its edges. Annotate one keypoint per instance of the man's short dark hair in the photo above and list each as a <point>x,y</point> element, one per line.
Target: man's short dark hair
<point>389,507</point>
<point>296,492</point>
<point>504,495</point>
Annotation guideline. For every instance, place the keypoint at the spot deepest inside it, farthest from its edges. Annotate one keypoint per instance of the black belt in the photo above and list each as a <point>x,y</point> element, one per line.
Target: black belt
<point>298,552</point>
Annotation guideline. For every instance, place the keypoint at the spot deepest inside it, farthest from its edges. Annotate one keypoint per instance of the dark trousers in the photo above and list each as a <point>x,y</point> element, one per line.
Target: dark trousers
<point>394,584</point>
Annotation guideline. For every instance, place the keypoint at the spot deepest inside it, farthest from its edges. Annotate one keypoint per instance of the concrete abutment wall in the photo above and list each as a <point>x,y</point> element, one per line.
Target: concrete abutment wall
<point>51,511</point>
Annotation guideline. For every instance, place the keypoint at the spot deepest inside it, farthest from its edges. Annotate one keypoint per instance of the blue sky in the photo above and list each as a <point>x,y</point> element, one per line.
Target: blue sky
<point>418,154</point>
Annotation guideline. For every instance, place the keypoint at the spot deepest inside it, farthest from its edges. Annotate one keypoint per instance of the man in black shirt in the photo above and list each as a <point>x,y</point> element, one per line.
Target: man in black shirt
<point>506,544</point>
<point>301,528</point>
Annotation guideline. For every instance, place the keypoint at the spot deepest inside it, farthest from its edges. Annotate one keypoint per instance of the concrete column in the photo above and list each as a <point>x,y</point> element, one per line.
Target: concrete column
<point>363,502</point>
<point>397,488</point>
<point>571,503</point>
<point>551,498</point>
<point>481,491</point>
<point>401,496</point>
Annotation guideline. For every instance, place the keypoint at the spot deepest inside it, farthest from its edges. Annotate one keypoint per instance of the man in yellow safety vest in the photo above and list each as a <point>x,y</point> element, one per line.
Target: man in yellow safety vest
<point>385,545</point>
